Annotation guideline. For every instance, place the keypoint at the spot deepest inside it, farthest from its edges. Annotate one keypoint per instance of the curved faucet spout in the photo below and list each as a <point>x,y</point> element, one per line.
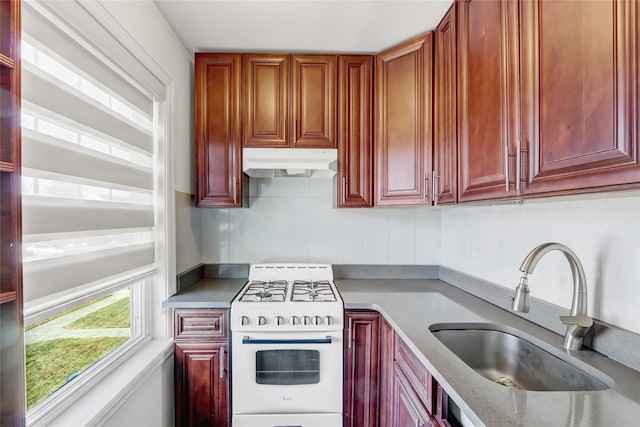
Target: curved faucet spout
<point>578,322</point>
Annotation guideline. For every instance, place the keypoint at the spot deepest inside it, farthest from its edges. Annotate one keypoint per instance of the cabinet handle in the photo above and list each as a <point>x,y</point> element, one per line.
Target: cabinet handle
<point>507,154</point>
<point>434,180</point>
<point>344,189</point>
<point>221,363</point>
<point>426,186</point>
<point>518,160</point>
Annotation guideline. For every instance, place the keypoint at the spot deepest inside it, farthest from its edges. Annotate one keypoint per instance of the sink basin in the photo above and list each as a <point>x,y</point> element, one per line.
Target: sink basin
<point>504,356</point>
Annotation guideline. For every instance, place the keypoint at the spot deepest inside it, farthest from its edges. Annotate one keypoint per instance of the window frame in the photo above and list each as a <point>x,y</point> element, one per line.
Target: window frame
<point>98,28</point>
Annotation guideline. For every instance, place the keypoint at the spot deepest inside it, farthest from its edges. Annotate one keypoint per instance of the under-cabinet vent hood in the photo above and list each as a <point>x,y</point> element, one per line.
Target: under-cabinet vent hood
<point>292,162</point>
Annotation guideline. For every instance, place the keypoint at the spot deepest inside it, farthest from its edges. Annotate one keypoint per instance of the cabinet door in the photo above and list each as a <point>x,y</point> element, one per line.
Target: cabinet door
<point>487,98</point>
<point>361,369</point>
<point>445,141</point>
<point>266,100</point>
<point>580,80</point>
<point>218,130</point>
<point>403,131</point>
<point>314,101</point>
<point>354,131</point>
<point>202,384</point>
<point>408,409</point>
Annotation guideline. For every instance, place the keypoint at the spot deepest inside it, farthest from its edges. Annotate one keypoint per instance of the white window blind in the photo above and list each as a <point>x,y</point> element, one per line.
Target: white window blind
<point>89,203</point>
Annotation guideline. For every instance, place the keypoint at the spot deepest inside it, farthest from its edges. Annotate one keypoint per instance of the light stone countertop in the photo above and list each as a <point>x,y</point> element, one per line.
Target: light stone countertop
<point>411,306</point>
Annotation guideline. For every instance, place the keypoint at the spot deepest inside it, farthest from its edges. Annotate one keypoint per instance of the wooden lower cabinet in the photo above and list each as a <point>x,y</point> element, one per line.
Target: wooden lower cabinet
<point>385,384</point>
<point>201,371</point>
<point>408,408</point>
<point>361,368</point>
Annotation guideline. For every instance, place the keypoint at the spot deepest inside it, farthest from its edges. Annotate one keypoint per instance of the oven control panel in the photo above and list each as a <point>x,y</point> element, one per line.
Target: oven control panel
<point>320,320</point>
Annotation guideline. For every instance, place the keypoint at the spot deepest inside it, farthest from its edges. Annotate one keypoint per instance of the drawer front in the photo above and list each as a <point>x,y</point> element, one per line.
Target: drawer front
<point>200,324</point>
<point>415,371</point>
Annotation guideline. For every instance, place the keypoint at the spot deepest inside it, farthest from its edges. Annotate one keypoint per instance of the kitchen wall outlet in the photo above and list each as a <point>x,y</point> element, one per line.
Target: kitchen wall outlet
<point>471,246</point>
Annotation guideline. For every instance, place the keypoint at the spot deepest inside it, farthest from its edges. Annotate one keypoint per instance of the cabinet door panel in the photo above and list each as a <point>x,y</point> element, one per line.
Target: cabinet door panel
<point>580,75</point>
<point>314,101</point>
<point>387,351</point>
<point>408,410</point>
<point>201,391</point>
<point>403,132</point>
<point>218,130</point>
<point>266,100</point>
<point>445,141</point>
<point>361,369</point>
<point>487,98</point>
<point>354,131</point>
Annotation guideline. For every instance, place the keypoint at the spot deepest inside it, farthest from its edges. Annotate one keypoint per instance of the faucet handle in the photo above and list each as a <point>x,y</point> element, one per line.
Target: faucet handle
<point>580,320</point>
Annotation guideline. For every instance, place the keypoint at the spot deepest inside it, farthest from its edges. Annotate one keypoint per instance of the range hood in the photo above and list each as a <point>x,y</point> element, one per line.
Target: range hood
<point>290,162</point>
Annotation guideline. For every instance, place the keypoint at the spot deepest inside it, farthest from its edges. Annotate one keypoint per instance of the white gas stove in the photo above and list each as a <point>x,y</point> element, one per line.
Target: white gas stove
<point>287,347</point>
<point>288,297</point>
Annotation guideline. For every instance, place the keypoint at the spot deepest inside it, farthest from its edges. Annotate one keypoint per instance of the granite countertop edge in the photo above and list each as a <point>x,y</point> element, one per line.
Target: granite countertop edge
<point>411,306</point>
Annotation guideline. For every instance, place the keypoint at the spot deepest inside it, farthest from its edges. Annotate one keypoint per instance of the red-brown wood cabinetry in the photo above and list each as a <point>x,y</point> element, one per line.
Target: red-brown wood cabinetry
<point>579,65</point>
<point>408,409</point>
<point>218,129</point>
<point>355,174</point>
<point>12,380</point>
<point>361,368</point>
<point>314,101</point>
<point>487,98</point>
<point>290,101</point>
<point>403,131</point>
<point>201,368</point>
<point>445,141</point>
<point>266,100</point>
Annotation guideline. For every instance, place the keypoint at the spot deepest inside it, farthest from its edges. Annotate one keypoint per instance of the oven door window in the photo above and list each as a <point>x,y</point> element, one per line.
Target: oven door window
<point>287,367</point>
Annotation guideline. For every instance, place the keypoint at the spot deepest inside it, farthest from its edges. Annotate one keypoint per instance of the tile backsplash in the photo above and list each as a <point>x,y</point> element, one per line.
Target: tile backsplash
<point>295,220</point>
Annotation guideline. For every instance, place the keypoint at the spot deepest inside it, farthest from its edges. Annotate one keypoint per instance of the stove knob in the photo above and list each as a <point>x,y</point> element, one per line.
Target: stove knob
<point>294,320</point>
<point>279,320</point>
<point>306,320</point>
<point>244,320</point>
<point>328,320</point>
<point>261,320</point>
<point>317,320</point>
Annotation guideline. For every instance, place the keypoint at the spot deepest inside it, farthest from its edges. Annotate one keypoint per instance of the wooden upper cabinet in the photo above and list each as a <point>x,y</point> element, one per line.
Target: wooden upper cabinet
<point>218,130</point>
<point>266,100</point>
<point>487,98</point>
<point>314,101</point>
<point>403,110</point>
<point>355,143</point>
<point>445,140</point>
<point>290,101</point>
<point>580,100</point>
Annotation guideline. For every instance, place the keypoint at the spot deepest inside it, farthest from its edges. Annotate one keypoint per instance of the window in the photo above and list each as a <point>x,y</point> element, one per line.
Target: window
<point>92,207</point>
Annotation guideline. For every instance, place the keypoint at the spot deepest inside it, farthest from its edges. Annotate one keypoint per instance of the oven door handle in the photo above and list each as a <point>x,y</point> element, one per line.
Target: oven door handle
<point>326,340</point>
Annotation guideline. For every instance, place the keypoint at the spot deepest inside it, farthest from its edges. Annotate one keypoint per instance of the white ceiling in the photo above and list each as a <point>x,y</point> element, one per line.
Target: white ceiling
<point>350,26</point>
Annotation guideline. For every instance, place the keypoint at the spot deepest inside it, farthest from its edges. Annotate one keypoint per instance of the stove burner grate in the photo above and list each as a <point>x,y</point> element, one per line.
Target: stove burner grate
<point>312,291</point>
<point>261,291</point>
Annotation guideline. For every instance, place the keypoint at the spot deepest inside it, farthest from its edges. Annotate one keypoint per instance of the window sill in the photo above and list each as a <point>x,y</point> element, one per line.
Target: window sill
<point>107,396</point>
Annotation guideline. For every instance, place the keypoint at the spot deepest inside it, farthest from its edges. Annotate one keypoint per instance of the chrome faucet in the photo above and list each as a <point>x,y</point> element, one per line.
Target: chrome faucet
<point>578,322</point>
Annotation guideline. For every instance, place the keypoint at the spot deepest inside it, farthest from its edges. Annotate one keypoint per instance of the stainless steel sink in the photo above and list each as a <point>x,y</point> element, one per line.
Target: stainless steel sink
<point>503,355</point>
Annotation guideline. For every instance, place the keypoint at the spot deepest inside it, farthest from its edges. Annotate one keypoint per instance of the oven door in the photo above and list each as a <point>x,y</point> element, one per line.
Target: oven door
<point>287,373</point>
